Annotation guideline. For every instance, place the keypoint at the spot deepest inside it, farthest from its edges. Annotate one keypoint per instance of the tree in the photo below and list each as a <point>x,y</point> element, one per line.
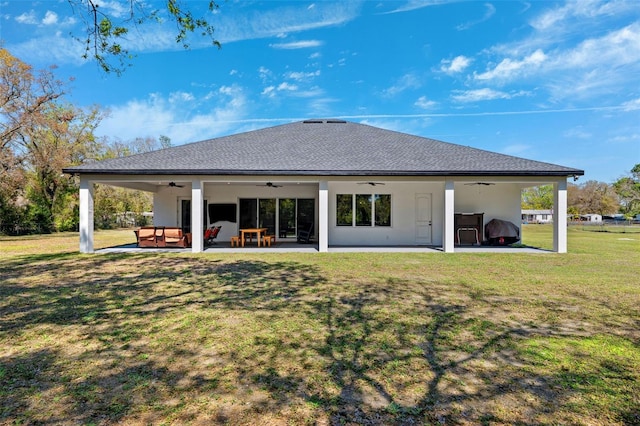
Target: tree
<point>538,198</point>
<point>62,138</point>
<point>25,98</point>
<point>105,32</point>
<point>628,189</point>
<point>39,136</point>
<point>592,197</point>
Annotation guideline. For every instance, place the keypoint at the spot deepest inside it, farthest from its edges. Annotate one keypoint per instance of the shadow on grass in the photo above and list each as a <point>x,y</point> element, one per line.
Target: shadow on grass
<point>128,338</point>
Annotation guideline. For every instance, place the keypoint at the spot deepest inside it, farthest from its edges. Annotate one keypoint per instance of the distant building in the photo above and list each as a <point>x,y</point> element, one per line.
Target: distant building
<point>537,216</point>
<point>597,218</point>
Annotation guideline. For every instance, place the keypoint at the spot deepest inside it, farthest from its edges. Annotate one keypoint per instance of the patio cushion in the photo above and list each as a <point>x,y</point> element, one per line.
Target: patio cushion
<point>146,237</point>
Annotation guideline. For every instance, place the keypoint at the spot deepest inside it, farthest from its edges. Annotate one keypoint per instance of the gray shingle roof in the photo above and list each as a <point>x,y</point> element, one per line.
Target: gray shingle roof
<point>324,147</point>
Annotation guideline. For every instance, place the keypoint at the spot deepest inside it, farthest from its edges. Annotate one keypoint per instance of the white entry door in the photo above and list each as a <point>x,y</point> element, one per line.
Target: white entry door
<point>423,219</point>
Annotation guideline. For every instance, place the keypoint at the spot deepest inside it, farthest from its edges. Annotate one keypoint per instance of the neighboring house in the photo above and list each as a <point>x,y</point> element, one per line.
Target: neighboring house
<point>597,218</point>
<point>354,184</point>
<point>537,216</point>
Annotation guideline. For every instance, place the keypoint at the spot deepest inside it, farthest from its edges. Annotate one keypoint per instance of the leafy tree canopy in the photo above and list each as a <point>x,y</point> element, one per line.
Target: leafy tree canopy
<point>628,189</point>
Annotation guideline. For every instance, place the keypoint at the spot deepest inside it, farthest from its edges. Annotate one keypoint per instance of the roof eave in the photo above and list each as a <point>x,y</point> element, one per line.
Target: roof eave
<point>218,172</point>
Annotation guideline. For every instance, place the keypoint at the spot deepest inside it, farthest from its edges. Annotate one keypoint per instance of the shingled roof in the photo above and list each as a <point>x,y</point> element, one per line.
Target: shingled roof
<point>324,148</point>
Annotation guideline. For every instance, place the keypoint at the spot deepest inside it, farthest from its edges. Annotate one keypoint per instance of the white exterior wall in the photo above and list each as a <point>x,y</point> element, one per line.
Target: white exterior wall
<point>499,201</point>
<point>403,214</point>
<point>165,205</point>
<point>166,202</point>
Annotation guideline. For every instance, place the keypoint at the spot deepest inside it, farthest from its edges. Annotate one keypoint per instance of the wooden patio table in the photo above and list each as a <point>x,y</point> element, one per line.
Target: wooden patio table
<point>252,231</point>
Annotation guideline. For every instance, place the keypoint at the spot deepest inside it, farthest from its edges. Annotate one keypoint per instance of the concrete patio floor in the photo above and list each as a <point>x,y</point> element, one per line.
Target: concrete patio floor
<point>293,247</point>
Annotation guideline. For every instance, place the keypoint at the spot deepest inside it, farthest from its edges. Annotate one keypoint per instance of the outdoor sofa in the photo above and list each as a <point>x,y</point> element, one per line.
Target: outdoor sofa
<point>162,236</point>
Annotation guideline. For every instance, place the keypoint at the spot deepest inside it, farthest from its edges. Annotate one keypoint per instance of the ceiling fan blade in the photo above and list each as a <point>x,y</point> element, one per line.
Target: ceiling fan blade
<point>371,183</point>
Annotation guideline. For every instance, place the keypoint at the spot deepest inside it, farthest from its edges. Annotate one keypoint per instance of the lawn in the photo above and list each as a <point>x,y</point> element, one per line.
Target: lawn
<point>369,338</point>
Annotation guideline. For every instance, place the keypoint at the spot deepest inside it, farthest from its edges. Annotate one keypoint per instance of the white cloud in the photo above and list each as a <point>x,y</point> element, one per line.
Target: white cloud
<point>580,50</point>
<point>303,44</point>
<point>269,91</point>
<point>579,12</point>
<point>115,8</point>
<point>287,87</point>
<point>485,94</point>
<point>416,4</point>
<point>28,18</point>
<point>56,48</point>
<point>50,18</point>
<point>265,74</point>
<point>632,105</point>
<point>491,10</point>
<point>292,18</point>
<point>177,97</point>
<point>509,68</point>
<point>407,81</point>
<point>615,48</point>
<point>302,76</point>
<point>425,103</point>
<point>456,65</point>
<point>577,133</point>
<point>309,93</point>
<point>155,36</point>
<point>176,115</point>
<point>320,107</point>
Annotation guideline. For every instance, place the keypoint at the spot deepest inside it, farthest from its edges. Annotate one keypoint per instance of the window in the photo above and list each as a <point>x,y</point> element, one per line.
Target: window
<point>344,210</point>
<point>382,209</point>
<point>363,210</point>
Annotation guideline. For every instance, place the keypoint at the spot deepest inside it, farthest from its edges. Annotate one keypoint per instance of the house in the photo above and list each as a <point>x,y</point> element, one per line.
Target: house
<point>536,216</point>
<point>353,184</point>
<point>594,218</point>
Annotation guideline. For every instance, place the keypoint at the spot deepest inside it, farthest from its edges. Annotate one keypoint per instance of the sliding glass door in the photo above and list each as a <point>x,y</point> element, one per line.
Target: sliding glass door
<point>185,215</point>
<point>287,217</point>
<point>267,214</point>
<point>248,213</point>
<point>289,214</point>
<point>306,214</point>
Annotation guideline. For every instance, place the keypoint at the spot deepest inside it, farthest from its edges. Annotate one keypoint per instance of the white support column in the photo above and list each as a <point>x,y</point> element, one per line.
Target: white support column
<point>86,215</point>
<point>197,231</point>
<point>323,216</point>
<point>560,216</point>
<point>448,238</point>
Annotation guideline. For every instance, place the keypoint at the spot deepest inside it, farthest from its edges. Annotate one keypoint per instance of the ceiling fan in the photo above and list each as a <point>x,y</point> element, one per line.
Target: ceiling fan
<point>175,185</point>
<point>370,183</point>
<point>271,185</point>
<point>480,183</point>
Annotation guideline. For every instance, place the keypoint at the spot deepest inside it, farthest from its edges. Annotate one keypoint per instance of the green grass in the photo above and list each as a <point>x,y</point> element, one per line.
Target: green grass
<point>354,338</point>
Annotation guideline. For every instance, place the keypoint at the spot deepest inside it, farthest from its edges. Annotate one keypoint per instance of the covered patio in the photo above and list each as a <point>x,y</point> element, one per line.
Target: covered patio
<point>355,186</point>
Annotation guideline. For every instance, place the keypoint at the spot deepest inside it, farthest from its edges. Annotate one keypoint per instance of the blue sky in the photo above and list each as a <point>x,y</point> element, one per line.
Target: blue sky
<point>550,81</point>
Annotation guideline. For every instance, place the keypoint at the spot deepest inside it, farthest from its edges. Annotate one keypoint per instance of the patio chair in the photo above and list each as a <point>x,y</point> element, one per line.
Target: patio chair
<point>211,234</point>
<point>304,235</point>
